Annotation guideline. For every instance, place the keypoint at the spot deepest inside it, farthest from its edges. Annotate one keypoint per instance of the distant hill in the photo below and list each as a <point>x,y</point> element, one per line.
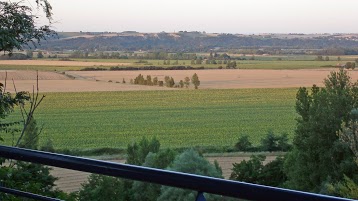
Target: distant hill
<point>194,41</point>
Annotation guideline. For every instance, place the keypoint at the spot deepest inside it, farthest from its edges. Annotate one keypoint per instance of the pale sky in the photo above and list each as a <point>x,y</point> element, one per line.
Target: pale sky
<point>223,16</point>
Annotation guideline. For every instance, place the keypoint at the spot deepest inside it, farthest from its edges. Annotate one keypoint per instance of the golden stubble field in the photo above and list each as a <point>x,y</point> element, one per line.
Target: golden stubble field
<point>80,81</point>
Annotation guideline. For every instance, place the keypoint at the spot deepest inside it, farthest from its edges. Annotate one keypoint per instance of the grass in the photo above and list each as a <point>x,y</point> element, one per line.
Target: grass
<point>179,119</point>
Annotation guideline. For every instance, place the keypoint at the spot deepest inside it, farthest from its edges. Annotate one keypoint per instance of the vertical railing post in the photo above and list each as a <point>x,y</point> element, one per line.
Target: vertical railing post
<point>200,197</point>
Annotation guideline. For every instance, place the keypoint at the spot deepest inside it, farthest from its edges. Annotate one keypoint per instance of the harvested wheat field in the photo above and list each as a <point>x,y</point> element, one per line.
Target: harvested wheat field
<point>58,63</point>
<point>226,78</point>
<point>81,81</point>
<point>58,82</point>
<point>31,75</point>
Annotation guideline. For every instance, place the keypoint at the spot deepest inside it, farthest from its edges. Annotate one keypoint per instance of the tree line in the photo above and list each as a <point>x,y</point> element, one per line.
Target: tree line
<point>168,81</point>
<point>226,42</point>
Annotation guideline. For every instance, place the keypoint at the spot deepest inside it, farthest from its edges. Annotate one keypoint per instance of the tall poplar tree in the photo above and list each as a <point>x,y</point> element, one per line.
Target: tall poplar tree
<point>318,155</point>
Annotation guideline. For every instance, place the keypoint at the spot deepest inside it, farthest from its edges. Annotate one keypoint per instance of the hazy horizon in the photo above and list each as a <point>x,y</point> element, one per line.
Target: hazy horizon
<point>226,16</point>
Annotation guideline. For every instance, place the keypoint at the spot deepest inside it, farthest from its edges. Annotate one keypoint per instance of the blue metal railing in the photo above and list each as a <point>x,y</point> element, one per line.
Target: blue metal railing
<point>197,183</point>
<point>26,194</point>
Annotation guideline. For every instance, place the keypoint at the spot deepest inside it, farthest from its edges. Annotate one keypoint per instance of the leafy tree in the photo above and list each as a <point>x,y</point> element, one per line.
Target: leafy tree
<point>40,55</point>
<point>139,79</point>
<point>349,133</point>
<point>181,83</point>
<point>243,143</point>
<point>326,58</point>
<point>349,65</point>
<point>269,142</point>
<point>186,82</point>
<point>338,58</point>
<point>136,153</point>
<point>149,80</point>
<point>111,188</point>
<point>150,191</point>
<point>282,142</point>
<point>273,173</point>
<point>17,25</point>
<point>318,154</point>
<point>99,187</point>
<point>189,162</point>
<point>231,64</point>
<point>29,177</point>
<point>346,188</point>
<point>17,28</point>
<point>195,80</point>
<point>249,171</point>
<point>155,81</point>
<point>169,81</point>
<point>254,171</point>
<point>319,58</point>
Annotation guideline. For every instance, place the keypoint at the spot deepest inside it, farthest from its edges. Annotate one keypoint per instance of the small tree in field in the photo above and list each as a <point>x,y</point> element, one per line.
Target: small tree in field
<point>195,80</point>
<point>181,83</point>
<point>187,82</point>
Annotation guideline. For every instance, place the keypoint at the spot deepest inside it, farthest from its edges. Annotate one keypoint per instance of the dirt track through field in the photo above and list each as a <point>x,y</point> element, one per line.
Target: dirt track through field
<point>79,81</point>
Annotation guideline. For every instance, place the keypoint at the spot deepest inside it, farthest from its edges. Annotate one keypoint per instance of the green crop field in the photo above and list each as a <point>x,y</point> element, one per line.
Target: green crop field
<point>183,118</point>
<point>260,62</point>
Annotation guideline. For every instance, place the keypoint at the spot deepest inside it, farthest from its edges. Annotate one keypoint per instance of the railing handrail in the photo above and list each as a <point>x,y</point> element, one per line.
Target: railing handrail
<point>164,177</point>
<point>26,194</point>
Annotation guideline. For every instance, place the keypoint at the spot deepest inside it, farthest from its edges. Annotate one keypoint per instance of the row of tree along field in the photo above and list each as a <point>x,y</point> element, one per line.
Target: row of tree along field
<point>168,58</point>
<point>169,81</point>
<point>204,43</point>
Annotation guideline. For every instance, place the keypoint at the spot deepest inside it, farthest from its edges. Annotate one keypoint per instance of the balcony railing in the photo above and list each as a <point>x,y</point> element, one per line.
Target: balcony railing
<point>201,184</point>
